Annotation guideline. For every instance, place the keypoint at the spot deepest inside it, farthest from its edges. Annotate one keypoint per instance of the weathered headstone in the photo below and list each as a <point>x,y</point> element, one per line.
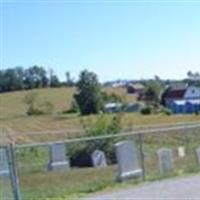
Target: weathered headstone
<point>98,159</point>
<point>165,160</point>
<point>128,165</point>
<point>4,168</point>
<point>181,151</point>
<point>198,155</point>
<point>58,160</point>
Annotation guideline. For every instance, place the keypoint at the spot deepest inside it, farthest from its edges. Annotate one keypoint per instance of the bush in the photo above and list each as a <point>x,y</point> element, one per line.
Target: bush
<point>35,108</point>
<point>80,155</point>
<point>146,111</point>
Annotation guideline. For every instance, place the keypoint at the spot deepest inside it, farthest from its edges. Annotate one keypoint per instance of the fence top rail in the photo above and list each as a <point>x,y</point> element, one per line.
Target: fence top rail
<point>129,133</point>
<point>78,130</point>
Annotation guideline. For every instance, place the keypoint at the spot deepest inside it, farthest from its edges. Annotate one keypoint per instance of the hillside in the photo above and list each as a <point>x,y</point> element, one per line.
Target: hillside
<point>13,114</point>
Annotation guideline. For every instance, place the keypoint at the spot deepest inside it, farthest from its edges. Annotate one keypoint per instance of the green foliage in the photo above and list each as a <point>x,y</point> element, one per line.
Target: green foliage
<point>110,97</point>
<point>89,97</point>
<point>103,126</point>
<point>153,92</point>
<point>31,99</point>
<point>18,78</point>
<point>146,110</point>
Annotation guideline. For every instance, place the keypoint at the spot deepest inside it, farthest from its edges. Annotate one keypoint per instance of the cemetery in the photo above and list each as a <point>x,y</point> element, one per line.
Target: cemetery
<point>162,155</point>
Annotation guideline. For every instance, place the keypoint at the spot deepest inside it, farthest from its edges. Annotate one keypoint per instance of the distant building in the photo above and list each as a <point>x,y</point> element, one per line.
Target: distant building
<point>182,99</point>
<point>113,107</point>
<point>136,88</point>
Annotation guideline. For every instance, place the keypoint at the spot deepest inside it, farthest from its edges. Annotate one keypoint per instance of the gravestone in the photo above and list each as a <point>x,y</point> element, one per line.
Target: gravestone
<point>128,165</point>
<point>165,160</point>
<point>198,155</point>
<point>4,168</point>
<point>98,159</point>
<point>181,151</point>
<point>58,160</point>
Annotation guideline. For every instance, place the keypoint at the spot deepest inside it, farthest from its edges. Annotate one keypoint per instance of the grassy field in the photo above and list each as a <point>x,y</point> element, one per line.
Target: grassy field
<point>13,115</point>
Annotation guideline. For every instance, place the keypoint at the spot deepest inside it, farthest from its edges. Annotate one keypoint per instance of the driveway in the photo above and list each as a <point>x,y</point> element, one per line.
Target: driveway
<point>179,188</point>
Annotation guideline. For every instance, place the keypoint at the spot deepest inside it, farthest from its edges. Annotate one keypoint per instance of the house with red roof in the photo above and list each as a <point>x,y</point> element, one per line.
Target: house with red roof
<point>182,99</point>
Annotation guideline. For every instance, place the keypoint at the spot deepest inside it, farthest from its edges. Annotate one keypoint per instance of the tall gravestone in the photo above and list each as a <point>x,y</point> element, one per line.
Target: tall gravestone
<point>58,160</point>
<point>128,164</point>
<point>198,155</point>
<point>165,160</point>
<point>4,168</point>
<point>98,159</point>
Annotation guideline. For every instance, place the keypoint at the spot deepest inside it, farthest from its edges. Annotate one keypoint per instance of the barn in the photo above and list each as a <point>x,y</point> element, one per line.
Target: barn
<point>182,100</point>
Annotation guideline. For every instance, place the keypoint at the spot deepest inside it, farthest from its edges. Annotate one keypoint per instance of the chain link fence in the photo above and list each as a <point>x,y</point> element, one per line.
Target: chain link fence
<point>75,174</point>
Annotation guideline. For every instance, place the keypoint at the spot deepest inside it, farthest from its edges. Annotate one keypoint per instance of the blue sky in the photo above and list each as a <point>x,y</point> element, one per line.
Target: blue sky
<point>115,39</point>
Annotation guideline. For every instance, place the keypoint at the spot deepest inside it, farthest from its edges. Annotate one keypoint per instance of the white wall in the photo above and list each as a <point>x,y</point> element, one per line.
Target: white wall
<point>192,93</point>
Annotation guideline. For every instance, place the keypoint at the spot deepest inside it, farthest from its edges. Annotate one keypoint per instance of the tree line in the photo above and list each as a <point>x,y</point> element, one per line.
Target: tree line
<point>18,78</point>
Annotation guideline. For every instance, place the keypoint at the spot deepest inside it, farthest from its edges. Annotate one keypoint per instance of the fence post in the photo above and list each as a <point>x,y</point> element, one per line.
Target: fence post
<point>13,171</point>
<point>141,141</point>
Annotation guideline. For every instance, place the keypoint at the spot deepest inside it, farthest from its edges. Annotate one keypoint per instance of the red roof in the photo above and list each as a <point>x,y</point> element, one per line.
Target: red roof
<point>175,94</point>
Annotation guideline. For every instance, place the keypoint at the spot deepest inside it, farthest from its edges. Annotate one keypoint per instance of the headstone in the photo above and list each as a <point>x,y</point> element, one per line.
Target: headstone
<point>181,151</point>
<point>165,160</point>
<point>58,160</point>
<point>198,155</point>
<point>98,159</point>
<point>128,165</point>
<point>4,168</point>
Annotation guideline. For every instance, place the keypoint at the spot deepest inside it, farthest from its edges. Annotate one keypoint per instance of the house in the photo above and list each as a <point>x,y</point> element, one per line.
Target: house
<point>136,88</point>
<point>182,99</point>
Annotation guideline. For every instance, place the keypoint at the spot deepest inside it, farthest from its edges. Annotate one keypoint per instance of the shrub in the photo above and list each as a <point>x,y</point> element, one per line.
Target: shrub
<point>80,155</point>
<point>35,108</point>
<point>146,111</point>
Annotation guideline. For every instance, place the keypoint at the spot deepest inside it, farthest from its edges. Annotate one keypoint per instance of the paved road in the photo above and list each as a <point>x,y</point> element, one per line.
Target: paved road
<point>181,188</point>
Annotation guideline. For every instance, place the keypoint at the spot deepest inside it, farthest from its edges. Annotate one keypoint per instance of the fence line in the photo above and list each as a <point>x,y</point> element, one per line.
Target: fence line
<point>61,131</point>
<point>101,137</point>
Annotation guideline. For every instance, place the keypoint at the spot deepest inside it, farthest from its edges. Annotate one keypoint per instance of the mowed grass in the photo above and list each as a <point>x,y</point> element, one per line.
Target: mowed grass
<point>13,114</point>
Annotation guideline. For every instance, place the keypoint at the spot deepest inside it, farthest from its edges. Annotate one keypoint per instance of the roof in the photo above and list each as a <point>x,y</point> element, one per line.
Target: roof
<point>137,86</point>
<point>175,93</point>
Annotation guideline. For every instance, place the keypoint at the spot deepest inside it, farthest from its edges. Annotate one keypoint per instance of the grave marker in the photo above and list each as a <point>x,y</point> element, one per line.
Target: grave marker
<point>128,165</point>
<point>4,168</point>
<point>58,160</point>
<point>165,160</point>
<point>181,151</point>
<point>98,159</point>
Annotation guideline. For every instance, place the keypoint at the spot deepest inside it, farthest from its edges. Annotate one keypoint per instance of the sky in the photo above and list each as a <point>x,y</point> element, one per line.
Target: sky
<point>115,39</point>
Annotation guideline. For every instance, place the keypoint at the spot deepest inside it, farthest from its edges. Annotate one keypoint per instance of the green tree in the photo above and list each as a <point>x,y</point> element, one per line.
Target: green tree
<point>89,97</point>
<point>153,92</point>
<point>69,80</point>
